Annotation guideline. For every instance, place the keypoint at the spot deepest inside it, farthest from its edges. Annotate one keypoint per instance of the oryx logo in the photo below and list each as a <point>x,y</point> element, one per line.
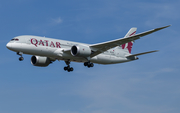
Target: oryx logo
<point>128,46</point>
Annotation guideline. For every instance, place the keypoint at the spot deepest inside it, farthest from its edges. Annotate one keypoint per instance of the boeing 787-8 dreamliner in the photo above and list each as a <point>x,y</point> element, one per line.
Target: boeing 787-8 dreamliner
<point>47,50</point>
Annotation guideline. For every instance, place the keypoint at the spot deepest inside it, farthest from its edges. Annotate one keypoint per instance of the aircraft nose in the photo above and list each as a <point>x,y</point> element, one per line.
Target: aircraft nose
<point>8,45</point>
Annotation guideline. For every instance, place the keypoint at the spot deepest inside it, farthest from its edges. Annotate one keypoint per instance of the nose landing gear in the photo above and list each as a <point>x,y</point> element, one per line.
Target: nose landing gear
<point>21,58</point>
<point>20,54</point>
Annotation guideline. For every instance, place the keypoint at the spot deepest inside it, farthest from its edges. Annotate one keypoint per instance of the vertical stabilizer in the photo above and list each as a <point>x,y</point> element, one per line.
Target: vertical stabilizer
<point>131,32</point>
<point>128,46</point>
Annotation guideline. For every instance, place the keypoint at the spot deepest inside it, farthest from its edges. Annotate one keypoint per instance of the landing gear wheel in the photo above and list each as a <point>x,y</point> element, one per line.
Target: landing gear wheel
<point>92,65</point>
<point>85,63</point>
<point>21,58</point>
<point>69,69</point>
<point>20,54</point>
<point>88,64</point>
<point>65,68</point>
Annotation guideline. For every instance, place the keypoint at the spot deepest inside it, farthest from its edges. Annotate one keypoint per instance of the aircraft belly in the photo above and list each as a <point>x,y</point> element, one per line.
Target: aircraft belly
<point>108,59</point>
<point>115,60</point>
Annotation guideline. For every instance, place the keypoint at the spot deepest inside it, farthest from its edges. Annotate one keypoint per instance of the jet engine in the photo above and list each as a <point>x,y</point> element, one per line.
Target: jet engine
<point>80,51</point>
<point>40,61</point>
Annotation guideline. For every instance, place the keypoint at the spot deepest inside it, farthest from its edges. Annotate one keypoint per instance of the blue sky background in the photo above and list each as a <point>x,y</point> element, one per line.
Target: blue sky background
<point>148,85</point>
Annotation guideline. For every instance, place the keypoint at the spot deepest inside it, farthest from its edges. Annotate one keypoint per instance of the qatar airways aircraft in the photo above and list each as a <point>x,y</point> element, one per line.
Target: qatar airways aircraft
<point>47,50</point>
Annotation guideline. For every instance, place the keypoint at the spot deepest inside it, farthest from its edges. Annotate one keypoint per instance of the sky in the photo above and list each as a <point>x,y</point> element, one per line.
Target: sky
<point>148,85</point>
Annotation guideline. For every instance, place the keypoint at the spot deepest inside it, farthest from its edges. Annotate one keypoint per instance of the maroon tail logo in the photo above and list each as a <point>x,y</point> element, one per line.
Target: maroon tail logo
<point>129,46</point>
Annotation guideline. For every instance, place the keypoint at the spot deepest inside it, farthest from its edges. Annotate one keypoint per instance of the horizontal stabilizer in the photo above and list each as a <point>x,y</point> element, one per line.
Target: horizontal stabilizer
<point>141,53</point>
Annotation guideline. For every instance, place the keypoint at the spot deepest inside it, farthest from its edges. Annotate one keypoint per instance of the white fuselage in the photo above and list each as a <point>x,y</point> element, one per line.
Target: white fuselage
<point>46,50</point>
<point>57,50</point>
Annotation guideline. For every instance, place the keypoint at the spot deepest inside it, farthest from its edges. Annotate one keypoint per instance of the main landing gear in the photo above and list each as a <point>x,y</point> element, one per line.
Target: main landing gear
<point>68,68</point>
<point>88,64</point>
<point>20,54</point>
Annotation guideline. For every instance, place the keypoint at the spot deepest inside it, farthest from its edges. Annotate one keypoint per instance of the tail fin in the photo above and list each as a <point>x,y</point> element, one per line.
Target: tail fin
<point>128,46</point>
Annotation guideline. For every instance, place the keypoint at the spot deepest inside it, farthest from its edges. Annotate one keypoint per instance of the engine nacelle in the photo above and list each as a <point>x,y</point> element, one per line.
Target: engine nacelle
<point>81,51</point>
<point>40,61</point>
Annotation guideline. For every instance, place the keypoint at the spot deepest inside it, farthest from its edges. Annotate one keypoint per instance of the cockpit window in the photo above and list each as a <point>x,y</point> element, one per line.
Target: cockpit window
<point>15,39</point>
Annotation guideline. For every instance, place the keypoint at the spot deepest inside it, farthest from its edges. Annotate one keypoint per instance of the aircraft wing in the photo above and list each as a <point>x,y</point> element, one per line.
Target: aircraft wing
<point>101,47</point>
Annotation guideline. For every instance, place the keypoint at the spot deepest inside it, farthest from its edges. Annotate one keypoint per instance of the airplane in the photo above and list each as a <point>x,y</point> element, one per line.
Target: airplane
<point>44,50</point>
